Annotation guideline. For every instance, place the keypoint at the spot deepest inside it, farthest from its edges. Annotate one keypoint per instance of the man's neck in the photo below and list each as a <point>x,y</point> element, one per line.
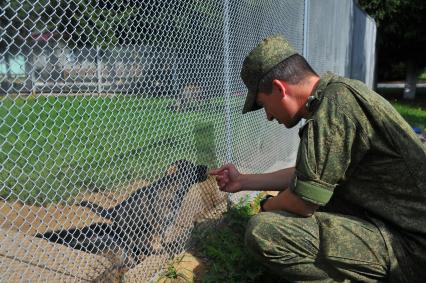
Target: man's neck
<point>302,91</point>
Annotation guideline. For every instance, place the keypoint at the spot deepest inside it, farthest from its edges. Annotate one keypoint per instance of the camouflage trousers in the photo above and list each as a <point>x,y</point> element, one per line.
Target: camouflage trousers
<point>326,247</point>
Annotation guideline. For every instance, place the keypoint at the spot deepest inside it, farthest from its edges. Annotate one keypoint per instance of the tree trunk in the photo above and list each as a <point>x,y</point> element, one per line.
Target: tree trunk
<point>410,81</point>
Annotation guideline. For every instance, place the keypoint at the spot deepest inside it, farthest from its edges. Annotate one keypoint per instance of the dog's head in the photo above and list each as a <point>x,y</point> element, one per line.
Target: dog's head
<point>189,171</point>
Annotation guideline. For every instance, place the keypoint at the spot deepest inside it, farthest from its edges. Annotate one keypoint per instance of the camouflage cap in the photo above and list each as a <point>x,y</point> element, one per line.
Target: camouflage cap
<point>267,54</point>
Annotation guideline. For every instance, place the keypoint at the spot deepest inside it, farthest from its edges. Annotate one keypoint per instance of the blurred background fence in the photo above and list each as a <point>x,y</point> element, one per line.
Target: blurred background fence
<point>99,99</point>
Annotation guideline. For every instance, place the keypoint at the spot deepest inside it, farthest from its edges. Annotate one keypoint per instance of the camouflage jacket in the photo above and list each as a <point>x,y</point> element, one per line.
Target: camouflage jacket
<point>358,156</point>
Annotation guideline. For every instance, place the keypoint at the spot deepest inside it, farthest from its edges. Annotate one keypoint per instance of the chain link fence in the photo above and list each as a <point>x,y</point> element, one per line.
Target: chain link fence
<point>341,38</point>
<point>112,111</point>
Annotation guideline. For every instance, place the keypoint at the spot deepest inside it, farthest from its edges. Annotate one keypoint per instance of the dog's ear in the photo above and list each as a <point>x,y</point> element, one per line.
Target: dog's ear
<point>172,169</point>
<point>181,166</point>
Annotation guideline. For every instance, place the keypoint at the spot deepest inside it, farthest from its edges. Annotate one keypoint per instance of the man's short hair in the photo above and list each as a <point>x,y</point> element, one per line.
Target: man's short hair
<point>291,70</point>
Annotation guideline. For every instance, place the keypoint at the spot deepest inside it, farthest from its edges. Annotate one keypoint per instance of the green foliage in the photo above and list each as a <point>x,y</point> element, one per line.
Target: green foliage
<point>401,26</point>
<point>172,273</point>
<point>380,9</point>
<point>223,246</point>
<point>423,75</point>
<point>412,111</point>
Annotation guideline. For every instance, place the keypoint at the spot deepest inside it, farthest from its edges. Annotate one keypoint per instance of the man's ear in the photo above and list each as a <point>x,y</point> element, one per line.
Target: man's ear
<point>280,86</point>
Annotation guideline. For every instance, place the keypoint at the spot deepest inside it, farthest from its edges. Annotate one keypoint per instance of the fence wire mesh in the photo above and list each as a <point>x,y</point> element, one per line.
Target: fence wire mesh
<point>341,38</point>
<point>112,111</point>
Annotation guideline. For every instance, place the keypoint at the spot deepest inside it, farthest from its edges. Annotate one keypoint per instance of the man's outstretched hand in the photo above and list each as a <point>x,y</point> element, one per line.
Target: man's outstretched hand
<point>228,178</point>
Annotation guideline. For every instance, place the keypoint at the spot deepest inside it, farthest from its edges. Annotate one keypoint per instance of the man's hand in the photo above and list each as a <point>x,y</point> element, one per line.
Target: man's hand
<point>289,201</point>
<point>228,178</point>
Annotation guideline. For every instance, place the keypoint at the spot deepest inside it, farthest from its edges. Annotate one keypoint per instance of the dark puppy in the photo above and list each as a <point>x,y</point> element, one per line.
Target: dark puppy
<point>144,215</point>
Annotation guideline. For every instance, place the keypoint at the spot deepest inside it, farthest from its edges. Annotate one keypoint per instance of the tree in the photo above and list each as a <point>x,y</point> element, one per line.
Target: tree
<point>401,37</point>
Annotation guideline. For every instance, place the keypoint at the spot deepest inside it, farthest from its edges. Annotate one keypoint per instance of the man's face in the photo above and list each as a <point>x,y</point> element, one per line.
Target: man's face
<point>279,106</point>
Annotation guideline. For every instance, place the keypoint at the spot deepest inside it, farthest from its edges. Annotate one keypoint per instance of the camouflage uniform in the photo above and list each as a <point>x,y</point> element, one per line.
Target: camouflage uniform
<point>363,164</point>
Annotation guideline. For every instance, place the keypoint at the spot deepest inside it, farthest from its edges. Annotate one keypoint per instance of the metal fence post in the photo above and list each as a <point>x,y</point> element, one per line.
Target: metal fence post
<point>305,38</point>
<point>226,77</point>
<point>305,29</point>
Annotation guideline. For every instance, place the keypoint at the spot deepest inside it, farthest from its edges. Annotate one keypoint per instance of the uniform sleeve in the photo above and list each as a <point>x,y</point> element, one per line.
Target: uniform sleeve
<point>330,144</point>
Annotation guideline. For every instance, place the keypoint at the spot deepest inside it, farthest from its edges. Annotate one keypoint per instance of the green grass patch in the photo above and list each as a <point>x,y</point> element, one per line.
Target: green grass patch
<point>414,112</point>
<point>223,247</point>
<point>53,147</point>
<point>423,76</point>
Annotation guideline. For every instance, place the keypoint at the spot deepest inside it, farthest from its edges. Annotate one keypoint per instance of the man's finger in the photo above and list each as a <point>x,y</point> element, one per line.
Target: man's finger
<point>224,178</point>
<point>216,171</point>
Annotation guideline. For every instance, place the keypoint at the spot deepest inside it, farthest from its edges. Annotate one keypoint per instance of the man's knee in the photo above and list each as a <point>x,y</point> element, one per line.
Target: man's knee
<point>271,234</point>
<point>256,233</point>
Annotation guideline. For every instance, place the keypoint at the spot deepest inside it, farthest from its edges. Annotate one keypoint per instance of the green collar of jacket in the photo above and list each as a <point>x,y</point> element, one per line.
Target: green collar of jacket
<point>318,93</point>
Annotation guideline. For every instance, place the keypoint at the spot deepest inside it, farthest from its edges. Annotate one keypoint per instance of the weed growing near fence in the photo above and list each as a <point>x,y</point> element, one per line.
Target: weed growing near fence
<point>173,273</point>
<point>223,246</point>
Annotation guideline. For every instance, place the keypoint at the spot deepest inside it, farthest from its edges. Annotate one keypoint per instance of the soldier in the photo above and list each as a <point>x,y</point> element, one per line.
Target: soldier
<point>354,206</point>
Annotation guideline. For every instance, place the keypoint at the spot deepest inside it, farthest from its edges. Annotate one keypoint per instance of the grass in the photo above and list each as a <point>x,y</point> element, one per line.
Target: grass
<point>172,273</point>
<point>53,147</point>
<point>223,247</point>
<point>414,112</point>
<point>423,76</point>
<point>51,143</point>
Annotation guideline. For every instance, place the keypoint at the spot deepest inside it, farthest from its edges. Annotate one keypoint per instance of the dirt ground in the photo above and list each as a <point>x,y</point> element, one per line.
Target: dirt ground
<point>25,257</point>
